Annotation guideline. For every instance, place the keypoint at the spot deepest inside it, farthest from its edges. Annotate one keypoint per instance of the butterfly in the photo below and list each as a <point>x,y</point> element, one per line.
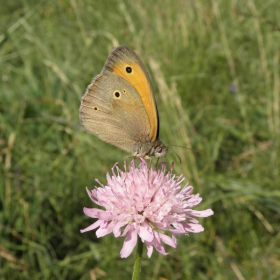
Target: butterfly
<point>119,106</point>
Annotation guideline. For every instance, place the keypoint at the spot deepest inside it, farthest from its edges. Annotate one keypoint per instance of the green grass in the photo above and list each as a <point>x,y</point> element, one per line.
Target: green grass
<point>194,51</point>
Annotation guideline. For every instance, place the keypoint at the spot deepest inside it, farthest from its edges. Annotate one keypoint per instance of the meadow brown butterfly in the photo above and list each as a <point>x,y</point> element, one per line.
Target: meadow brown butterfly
<point>119,106</point>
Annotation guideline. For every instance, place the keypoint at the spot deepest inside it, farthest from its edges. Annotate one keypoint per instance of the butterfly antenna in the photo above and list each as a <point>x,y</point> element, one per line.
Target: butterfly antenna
<point>197,151</point>
<point>176,155</point>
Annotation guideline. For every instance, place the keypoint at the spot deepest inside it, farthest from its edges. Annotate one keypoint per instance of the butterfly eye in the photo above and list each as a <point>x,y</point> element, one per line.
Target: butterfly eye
<point>158,149</point>
<point>128,69</point>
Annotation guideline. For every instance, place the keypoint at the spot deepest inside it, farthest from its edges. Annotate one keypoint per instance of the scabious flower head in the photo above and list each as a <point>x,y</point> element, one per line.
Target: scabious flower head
<point>145,202</point>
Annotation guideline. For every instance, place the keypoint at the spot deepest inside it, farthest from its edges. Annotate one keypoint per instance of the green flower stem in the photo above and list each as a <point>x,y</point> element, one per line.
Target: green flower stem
<point>138,260</point>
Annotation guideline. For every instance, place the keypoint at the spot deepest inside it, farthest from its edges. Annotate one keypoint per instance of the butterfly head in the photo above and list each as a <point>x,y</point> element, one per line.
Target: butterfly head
<point>158,149</point>
<point>150,149</point>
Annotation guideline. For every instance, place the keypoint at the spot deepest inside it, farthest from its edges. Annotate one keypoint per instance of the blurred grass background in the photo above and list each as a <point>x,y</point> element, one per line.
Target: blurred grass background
<point>215,71</point>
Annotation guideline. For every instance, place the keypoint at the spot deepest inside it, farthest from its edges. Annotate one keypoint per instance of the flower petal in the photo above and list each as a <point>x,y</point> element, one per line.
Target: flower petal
<point>150,248</point>
<point>146,233</point>
<point>92,212</point>
<point>158,245</point>
<point>105,229</point>
<point>201,213</point>
<point>129,244</point>
<point>193,227</point>
<point>105,216</point>
<point>167,240</point>
<point>117,228</point>
<point>92,227</point>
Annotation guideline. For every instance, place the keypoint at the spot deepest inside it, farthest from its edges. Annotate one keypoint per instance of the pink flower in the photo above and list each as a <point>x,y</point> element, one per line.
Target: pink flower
<point>146,202</point>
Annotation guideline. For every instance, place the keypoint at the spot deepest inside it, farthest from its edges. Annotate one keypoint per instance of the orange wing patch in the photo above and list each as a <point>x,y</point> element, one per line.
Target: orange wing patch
<point>137,79</point>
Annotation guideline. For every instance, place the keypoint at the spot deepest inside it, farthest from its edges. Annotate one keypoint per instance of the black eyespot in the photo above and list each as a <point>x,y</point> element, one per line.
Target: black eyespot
<point>95,108</point>
<point>124,90</point>
<point>128,69</point>
<point>117,94</point>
